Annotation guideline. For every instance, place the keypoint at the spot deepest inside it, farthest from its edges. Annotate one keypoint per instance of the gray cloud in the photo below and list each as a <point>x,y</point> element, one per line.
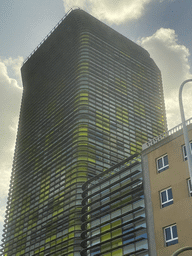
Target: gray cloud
<point>172,59</point>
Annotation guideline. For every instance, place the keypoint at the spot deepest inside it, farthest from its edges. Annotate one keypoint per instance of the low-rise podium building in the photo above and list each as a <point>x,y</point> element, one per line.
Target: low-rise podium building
<point>168,191</point>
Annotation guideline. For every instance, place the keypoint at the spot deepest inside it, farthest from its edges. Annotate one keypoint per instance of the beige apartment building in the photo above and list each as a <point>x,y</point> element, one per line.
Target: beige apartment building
<point>168,192</point>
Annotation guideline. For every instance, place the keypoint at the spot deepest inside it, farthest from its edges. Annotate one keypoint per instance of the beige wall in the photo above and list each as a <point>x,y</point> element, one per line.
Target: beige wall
<point>180,212</point>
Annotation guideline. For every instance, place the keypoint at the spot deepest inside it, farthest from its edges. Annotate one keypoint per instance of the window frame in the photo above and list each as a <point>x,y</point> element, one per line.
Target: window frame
<point>173,239</point>
<point>165,167</point>
<point>168,202</point>
<point>184,152</point>
<point>189,185</point>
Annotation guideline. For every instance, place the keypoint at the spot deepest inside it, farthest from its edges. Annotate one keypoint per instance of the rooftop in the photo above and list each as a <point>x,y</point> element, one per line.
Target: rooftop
<point>81,19</point>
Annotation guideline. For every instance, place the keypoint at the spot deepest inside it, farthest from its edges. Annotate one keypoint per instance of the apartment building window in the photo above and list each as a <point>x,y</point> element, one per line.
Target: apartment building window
<point>166,197</point>
<point>162,163</point>
<point>170,234</point>
<point>189,186</point>
<point>185,152</point>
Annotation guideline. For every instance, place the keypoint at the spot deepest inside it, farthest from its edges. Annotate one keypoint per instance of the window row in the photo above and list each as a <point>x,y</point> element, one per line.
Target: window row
<point>166,195</point>
<point>163,162</point>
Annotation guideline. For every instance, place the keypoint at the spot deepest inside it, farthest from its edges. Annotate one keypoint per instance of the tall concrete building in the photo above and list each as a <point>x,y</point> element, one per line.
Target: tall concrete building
<point>91,98</point>
<point>168,191</point>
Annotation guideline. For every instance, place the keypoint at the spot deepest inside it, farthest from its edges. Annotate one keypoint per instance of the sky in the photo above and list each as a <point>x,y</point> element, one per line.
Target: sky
<point>162,27</point>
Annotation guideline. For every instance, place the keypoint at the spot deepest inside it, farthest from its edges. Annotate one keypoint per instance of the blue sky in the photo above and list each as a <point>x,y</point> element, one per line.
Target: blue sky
<point>163,27</point>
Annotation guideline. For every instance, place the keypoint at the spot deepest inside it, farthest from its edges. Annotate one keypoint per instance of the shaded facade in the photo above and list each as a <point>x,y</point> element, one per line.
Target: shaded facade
<point>168,190</point>
<point>91,97</point>
<point>113,217</point>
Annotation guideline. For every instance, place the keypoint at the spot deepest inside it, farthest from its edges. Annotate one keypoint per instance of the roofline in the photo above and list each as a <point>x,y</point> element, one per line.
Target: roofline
<point>175,129</point>
<point>52,30</point>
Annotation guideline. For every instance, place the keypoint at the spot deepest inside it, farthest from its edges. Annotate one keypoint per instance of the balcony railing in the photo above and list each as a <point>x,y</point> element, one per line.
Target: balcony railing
<point>165,134</point>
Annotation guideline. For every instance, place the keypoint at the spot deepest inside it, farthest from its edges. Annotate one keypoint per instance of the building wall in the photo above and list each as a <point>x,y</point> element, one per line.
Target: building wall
<point>175,177</point>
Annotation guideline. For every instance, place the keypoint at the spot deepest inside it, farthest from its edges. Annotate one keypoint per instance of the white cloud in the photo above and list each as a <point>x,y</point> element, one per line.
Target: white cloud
<point>12,66</point>
<point>10,98</point>
<point>5,177</point>
<point>172,59</point>
<point>112,11</point>
<point>2,214</point>
<point>4,78</point>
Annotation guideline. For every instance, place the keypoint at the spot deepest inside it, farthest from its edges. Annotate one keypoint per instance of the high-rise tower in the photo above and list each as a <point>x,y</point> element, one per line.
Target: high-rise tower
<point>91,97</point>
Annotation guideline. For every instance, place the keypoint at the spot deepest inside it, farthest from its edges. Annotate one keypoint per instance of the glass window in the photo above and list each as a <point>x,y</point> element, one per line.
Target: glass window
<point>170,234</point>
<point>166,197</point>
<point>189,187</point>
<point>162,163</point>
<point>185,152</point>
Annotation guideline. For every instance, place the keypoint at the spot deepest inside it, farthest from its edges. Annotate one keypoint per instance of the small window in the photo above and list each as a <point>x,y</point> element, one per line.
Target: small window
<point>162,163</point>
<point>189,187</point>
<point>185,151</point>
<point>166,197</point>
<point>170,234</point>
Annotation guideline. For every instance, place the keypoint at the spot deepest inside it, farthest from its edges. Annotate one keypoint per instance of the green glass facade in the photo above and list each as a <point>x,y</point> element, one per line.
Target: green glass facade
<point>114,222</point>
<point>91,97</point>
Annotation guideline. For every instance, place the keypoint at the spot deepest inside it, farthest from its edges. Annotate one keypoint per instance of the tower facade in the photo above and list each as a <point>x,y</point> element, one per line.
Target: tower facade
<point>91,98</point>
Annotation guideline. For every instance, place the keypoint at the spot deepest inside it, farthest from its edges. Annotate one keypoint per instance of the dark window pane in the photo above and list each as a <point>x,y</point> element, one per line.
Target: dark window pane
<point>168,234</point>
<point>163,196</point>
<point>166,160</point>
<point>160,163</point>
<point>172,242</point>
<point>174,230</point>
<point>190,187</point>
<point>170,195</point>
<point>167,204</point>
<point>184,152</point>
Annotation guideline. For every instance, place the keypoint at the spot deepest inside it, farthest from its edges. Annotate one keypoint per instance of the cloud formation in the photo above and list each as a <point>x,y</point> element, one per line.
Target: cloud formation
<point>14,66</point>
<point>10,98</point>
<point>172,59</point>
<point>111,11</point>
